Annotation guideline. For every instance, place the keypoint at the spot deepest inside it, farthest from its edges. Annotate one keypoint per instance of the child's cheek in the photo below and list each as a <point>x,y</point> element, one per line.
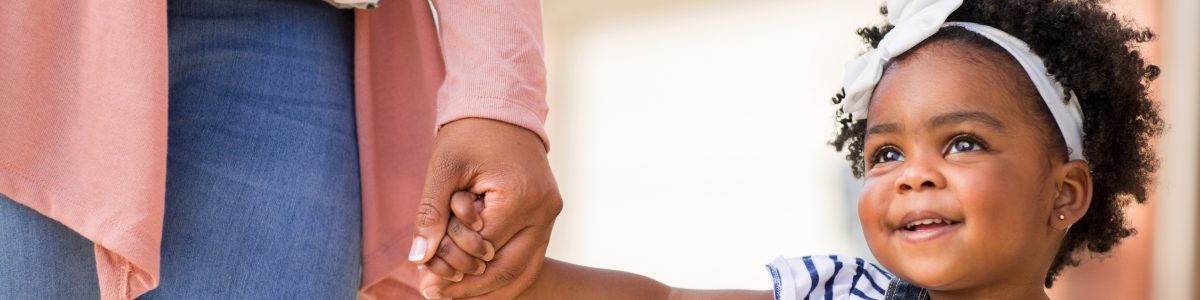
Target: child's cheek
<point>872,208</point>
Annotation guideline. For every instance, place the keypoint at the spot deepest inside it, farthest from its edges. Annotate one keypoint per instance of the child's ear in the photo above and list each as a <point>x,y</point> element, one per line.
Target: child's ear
<point>1074,195</point>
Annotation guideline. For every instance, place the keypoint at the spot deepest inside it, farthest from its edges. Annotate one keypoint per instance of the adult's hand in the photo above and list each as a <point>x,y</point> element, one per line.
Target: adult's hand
<point>507,165</point>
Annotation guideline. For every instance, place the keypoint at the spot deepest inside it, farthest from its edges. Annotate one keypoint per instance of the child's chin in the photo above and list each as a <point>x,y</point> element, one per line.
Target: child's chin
<point>922,266</point>
<point>931,273</point>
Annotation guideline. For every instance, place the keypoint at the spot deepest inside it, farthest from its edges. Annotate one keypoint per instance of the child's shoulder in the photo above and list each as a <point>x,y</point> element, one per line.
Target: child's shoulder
<point>828,277</point>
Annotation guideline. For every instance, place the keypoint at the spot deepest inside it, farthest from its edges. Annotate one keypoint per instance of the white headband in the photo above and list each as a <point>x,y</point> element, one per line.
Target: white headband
<point>917,20</point>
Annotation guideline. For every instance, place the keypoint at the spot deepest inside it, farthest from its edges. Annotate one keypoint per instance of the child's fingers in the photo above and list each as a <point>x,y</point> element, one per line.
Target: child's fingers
<point>431,285</point>
<point>468,241</point>
<point>438,266</point>
<point>458,259</point>
<point>511,272</point>
<point>451,261</point>
<point>463,205</point>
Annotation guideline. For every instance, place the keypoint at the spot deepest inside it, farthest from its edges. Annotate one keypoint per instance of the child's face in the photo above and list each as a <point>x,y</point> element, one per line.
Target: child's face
<point>952,137</point>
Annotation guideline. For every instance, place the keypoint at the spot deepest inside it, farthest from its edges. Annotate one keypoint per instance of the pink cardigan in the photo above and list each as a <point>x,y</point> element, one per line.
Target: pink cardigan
<point>83,117</point>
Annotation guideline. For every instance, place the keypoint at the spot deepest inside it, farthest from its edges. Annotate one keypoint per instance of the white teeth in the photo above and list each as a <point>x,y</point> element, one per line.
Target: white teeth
<point>914,224</point>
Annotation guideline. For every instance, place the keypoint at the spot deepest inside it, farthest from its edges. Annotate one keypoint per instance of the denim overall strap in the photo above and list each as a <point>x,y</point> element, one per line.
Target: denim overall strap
<point>899,289</point>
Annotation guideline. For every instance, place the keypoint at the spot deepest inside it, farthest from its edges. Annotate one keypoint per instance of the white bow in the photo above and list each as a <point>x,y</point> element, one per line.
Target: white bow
<point>915,21</point>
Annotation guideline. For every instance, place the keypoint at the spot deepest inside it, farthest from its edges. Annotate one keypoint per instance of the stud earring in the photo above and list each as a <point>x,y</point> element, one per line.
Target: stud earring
<point>1062,217</point>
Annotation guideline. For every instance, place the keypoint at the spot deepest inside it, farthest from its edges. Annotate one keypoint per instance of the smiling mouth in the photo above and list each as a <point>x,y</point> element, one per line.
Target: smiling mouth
<point>928,229</point>
<point>928,224</point>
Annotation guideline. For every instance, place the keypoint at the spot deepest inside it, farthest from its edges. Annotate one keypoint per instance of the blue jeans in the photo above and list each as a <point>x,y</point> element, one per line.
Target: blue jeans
<point>263,191</point>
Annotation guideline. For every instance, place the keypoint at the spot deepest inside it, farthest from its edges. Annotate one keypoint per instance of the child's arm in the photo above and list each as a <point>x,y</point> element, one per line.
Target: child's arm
<point>557,280</point>
<point>561,280</point>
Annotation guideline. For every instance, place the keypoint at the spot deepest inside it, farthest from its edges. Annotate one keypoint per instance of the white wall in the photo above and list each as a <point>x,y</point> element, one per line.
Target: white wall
<point>689,137</point>
<point>1175,250</point>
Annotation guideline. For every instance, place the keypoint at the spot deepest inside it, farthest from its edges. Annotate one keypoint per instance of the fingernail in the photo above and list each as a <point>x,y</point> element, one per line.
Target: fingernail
<point>458,276</point>
<point>432,293</point>
<point>419,246</point>
<point>490,251</point>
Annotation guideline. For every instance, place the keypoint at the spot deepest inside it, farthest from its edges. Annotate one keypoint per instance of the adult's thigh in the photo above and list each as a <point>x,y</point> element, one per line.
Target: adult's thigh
<point>41,258</point>
<point>263,197</point>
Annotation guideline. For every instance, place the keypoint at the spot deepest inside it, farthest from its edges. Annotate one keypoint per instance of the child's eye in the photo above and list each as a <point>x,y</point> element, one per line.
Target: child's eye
<point>965,144</point>
<point>887,154</point>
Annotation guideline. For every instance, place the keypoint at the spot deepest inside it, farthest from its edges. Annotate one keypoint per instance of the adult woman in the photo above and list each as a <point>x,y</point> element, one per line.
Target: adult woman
<point>265,117</point>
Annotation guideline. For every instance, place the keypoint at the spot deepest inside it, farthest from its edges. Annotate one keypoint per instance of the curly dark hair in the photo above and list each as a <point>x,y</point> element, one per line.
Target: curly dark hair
<point>1092,52</point>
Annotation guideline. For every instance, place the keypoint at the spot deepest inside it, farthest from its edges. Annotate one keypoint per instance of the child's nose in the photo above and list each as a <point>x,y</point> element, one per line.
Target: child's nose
<point>918,177</point>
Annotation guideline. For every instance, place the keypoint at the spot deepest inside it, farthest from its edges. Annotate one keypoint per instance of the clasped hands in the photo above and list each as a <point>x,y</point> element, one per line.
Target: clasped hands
<point>486,212</point>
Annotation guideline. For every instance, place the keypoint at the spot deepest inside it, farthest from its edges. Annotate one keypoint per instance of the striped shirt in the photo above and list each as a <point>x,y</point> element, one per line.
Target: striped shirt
<point>828,277</point>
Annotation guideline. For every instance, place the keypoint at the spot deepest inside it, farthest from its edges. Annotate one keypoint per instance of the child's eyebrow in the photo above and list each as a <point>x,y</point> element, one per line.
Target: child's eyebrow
<point>966,116</point>
<point>943,120</point>
<point>883,129</point>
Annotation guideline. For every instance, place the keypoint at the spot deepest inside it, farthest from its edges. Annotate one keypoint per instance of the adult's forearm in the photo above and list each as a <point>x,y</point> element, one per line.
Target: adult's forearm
<point>494,62</point>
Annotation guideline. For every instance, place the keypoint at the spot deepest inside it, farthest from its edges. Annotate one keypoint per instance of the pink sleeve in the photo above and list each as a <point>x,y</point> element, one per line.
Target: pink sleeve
<point>494,63</point>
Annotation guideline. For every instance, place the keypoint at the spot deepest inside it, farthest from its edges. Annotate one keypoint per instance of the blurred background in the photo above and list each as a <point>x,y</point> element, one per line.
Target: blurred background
<point>689,142</point>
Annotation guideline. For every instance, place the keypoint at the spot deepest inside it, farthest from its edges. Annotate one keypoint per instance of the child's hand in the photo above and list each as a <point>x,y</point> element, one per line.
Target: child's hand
<point>462,250</point>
